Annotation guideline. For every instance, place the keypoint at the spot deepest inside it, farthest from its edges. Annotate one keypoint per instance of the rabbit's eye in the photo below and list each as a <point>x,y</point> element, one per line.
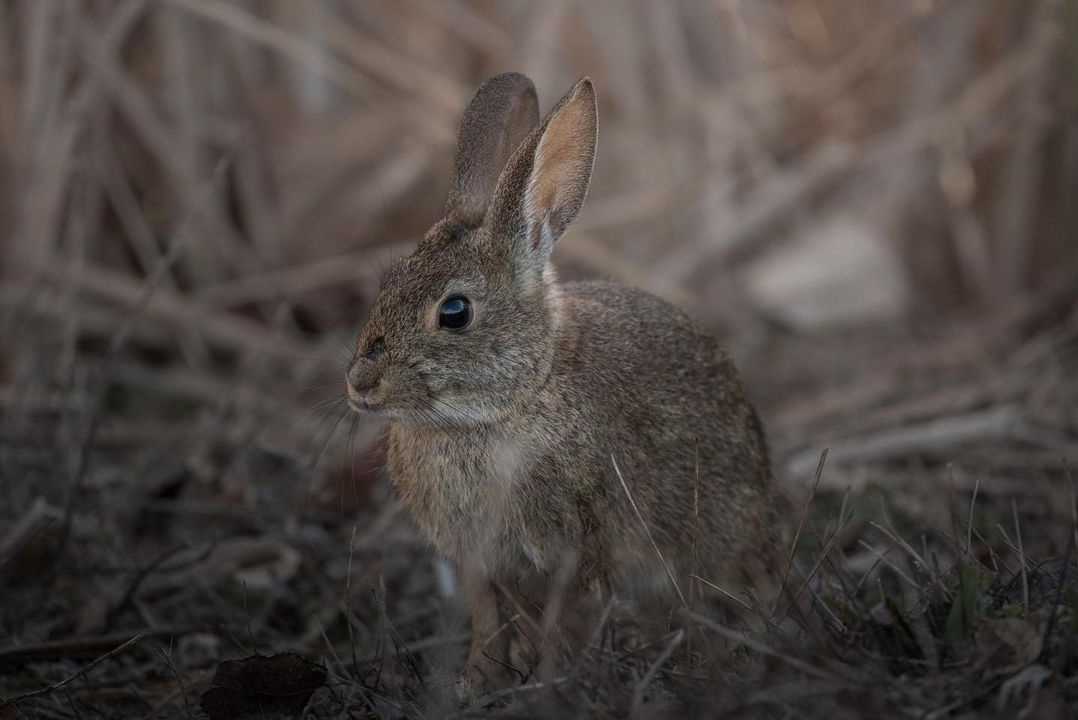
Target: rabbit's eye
<point>375,349</point>
<point>455,313</point>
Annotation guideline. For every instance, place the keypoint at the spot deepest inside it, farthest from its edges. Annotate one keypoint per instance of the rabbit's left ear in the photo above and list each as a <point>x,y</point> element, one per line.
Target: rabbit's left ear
<point>544,185</point>
<point>500,116</point>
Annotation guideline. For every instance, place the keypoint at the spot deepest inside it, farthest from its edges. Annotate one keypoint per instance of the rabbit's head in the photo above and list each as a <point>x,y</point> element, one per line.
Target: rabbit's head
<point>466,324</point>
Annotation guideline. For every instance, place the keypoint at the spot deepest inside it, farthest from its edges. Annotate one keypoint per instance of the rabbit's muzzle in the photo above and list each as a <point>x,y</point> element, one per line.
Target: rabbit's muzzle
<point>364,383</point>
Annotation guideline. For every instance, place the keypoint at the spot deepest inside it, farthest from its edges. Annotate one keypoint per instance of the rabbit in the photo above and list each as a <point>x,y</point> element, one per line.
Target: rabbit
<point>535,425</point>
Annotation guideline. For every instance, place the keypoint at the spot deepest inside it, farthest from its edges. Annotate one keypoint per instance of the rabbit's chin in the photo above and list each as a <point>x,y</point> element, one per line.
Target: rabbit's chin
<point>436,414</point>
<point>443,413</point>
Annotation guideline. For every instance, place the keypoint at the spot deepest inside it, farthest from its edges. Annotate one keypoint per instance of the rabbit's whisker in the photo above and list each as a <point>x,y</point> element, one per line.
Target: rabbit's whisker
<point>351,459</point>
<point>327,404</point>
<point>329,436</point>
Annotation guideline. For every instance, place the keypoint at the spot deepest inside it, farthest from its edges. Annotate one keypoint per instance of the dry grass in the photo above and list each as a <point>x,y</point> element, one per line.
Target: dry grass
<point>870,202</point>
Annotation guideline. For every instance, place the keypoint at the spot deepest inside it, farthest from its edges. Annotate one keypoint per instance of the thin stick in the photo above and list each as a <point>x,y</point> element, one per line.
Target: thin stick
<point>647,530</point>
<point>881,557</point>
<point>696,526</point>
<point>801,526</point>
<point>1060,587</point>
<point>1074,505</point>
<point>969,527</point>
<point>806,584</point>
<point>638,691</point>
<point>596,638</point>
<point>513,691</point>
<point>83,648</point>
<point>725,593</point>
<point>758,646</point>
<point>76,675</point>
<point>1021,556</point>
<point>895,538</point>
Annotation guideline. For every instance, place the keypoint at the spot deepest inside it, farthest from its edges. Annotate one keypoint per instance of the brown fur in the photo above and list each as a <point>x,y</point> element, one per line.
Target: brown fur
<point>503,437</point>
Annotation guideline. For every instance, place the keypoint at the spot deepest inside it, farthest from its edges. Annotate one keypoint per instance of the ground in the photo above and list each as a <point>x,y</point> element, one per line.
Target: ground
<point>154,545</point>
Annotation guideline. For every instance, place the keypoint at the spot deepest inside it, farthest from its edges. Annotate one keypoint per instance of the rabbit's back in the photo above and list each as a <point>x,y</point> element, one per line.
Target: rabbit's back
<point>637,384</point>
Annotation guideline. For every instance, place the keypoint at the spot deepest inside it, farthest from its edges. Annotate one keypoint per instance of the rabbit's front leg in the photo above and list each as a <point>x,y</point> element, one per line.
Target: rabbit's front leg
<point>487,667</point>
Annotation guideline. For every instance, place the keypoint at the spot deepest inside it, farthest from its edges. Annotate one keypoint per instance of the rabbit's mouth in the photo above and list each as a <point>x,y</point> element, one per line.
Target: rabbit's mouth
<point>361,407</point>
<point>363,402</point>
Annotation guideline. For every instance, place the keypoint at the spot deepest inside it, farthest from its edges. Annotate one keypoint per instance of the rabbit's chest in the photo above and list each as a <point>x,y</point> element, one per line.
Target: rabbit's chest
<point>462,491</point>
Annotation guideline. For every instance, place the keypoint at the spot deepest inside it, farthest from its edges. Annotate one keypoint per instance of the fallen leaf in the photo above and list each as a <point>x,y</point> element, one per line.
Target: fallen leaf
<point>261,686</point>
<point>1009,643</point>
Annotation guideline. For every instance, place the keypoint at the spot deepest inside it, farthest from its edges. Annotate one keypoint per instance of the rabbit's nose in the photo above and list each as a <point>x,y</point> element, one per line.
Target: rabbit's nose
<point>363,373</point>
<point>361,376</point>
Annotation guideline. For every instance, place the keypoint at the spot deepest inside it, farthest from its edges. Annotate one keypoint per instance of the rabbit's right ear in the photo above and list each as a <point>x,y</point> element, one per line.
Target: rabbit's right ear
<point>502,113</point>
<point>546,181</point>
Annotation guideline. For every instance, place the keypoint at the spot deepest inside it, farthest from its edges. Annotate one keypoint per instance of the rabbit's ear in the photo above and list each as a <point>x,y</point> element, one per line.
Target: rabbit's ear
<point>546,181</point>
<point>502,113</point>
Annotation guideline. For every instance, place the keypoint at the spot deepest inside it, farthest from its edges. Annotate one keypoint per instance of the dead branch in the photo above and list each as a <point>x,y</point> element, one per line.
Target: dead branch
<point>935,436</point>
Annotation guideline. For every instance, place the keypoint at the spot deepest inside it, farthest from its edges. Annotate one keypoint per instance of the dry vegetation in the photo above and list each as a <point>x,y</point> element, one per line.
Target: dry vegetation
<point>872,202</point>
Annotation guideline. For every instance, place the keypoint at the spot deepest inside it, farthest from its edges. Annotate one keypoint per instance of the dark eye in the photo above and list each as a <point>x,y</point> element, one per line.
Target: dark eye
<point>375,349</point>
<point>455,313</point>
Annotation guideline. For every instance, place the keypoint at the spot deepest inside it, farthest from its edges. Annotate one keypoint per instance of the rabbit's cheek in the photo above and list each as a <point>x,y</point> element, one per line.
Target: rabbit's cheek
<point>435,383</point>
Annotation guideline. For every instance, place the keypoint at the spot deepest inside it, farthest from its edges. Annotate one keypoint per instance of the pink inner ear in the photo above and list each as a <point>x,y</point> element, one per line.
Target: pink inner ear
<point>561,170</point>
<point>560,160</point>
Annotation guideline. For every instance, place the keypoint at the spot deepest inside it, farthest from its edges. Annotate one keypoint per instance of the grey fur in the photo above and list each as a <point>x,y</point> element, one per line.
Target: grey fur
<point>502,436</point>
<point>502,113</point>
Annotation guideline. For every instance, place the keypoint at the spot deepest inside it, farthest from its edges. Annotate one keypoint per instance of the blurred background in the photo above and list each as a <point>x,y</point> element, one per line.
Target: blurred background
<point>873,204</point>
<point>211,188</point>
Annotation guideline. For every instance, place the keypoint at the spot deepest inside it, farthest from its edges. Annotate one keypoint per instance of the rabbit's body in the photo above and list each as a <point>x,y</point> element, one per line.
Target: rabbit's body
<point>521,491</point>
<point>514,400</point>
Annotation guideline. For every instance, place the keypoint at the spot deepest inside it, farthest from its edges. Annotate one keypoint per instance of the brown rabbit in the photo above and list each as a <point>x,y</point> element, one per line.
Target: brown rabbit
<point>531,420</point>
